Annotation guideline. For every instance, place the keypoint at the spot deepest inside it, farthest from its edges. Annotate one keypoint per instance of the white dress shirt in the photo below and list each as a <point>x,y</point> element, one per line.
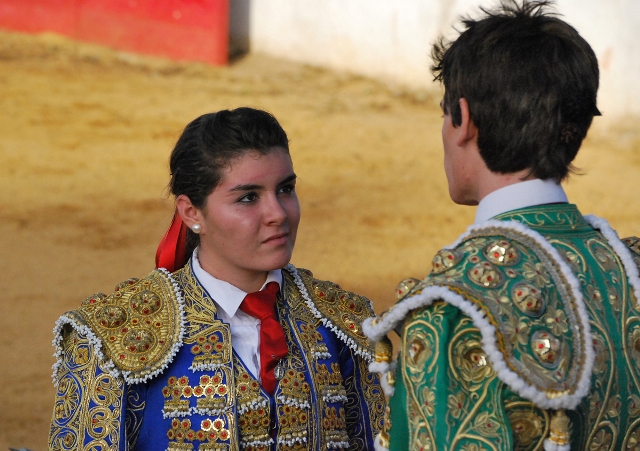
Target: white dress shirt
<point>245,329</point>
<point>519,195</point>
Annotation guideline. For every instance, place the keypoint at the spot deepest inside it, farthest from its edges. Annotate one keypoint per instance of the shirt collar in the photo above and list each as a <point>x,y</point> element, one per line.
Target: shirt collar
<point>519,195</point>
<point>226,296</point>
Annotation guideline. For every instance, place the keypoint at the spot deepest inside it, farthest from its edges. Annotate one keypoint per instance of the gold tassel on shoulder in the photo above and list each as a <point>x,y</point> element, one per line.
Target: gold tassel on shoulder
<point>559,433</point>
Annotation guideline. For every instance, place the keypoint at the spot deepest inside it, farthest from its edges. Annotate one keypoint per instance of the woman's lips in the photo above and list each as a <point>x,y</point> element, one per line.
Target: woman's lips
<point>280,238</point>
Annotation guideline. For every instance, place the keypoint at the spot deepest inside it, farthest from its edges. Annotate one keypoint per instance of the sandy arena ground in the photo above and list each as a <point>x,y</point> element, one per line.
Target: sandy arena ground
<point>85,138</point>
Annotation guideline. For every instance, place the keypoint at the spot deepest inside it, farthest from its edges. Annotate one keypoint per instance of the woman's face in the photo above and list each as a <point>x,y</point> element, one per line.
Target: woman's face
<point>250,220</point>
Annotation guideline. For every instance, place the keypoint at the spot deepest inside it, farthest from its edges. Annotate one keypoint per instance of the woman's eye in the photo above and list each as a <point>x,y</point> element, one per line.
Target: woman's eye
<point>247,198</point>
<point>286,189</point>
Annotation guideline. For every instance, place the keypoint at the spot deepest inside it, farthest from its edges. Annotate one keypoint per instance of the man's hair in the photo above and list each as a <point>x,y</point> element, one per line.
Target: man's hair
<point>530,81</point>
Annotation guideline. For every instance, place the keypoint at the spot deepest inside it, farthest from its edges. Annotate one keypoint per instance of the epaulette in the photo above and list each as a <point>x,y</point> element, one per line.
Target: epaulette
<point>633,243</point>
<point>341,311</point>
<point>524,299</point>
<point>627,250</point>
<point>138,329</point>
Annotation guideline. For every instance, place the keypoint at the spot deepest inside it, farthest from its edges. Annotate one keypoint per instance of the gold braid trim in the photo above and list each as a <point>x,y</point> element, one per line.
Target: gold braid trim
<point>341,310</point>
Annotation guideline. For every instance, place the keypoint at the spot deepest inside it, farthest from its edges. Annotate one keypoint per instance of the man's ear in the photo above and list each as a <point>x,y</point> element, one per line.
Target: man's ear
<point>188,212</point>
<point>467,131</point>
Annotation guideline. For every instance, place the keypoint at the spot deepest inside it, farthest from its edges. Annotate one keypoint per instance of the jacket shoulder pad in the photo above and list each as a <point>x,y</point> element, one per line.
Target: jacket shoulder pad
<point>525,300</point>
<point>340,310</point>
<point>140,325</point>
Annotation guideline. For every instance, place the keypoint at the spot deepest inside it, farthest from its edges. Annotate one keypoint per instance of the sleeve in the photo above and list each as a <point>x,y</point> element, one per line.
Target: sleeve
<point>447,396</point>
<point>89,406</point>
<point>365,404</point>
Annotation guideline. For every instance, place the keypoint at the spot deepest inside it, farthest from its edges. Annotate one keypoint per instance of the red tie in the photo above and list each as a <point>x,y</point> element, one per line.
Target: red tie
<point>273,343</point>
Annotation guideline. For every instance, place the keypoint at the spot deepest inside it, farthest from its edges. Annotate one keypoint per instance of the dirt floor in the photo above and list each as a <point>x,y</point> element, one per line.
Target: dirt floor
<point>85,135</point>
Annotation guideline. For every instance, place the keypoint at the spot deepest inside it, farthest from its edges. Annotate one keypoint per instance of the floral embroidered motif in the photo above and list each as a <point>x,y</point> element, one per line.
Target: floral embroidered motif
<point>334,425</point>
<point>556,321</point>
<point>212,394</point>
<point>210,351</point>
<point>546,348</point>
<point>485,275</point>
<point>310,336</point>
<point>330,383</point>
<point>502,252</point>
<point>517,330</point>
<point>254,414</point>
<point>444,260</point>
<point>406,286</point>
<point>528,299</point>
<point>212,434</point>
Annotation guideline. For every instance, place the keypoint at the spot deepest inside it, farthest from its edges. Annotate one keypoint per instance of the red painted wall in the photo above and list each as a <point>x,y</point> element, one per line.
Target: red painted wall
<point>196,30</point>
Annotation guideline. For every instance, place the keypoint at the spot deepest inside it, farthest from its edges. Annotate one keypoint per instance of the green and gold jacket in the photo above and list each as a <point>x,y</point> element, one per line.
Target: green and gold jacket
<point>524,336</point>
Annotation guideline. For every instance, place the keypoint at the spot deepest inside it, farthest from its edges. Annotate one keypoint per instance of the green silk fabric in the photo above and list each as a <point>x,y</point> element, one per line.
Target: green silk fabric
<point>448,396</point>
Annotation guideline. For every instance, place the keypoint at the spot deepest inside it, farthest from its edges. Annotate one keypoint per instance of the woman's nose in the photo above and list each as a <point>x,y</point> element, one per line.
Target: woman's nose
<point>274,211</point>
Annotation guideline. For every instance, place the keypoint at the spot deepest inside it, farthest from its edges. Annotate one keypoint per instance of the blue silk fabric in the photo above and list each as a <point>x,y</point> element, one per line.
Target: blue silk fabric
<point>205,398</point>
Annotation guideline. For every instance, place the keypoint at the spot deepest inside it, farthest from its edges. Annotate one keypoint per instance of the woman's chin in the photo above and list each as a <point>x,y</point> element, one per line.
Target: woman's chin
<point>278,261</point>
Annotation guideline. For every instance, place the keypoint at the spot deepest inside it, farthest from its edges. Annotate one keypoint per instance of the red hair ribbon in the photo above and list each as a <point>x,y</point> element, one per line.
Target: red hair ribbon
<point>172,248</point>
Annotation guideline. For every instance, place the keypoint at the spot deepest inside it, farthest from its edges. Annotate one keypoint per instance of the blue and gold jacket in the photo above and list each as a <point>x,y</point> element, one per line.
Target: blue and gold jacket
<point>150,367</point>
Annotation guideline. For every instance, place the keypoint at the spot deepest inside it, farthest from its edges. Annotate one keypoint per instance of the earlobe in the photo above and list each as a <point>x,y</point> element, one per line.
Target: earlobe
<point>188,212</point>
<point>467,131</point>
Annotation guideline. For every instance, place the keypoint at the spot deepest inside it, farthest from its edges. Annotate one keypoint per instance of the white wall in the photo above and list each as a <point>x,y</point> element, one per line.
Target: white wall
<point>391,39</point>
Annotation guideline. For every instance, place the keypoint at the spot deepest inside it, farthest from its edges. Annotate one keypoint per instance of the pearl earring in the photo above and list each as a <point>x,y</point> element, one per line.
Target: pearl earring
<point>196,228</point>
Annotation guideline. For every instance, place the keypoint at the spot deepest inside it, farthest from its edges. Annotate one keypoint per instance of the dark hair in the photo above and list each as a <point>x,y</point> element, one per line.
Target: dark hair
<point>530,81</point>
<point>210,143</point>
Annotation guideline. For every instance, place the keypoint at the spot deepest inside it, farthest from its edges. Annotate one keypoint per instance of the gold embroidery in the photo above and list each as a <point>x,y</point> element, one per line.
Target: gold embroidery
<point>210,351</point>
<point>213,430</point>
<point>344,309</point>
<point>176,390</point>
<point>139,323</point>
<point>529,425</point>
<point>254,414</point>
<point>212,435</point>
<point>384,350</point>
<point>502,252</point>
<point>444,260</point>
<point>405,287</point>
<point>180,432</point>
<point>328,381</point>
<point>470,363</point>
<point>212,393</point>
<point>210,338</point>
<point>294,393</point>
<point>485,275</point>
<point>335,426</point>
<point>295,413</point>
<point>313,339</point>
<point>528,299</point>
<point>546,348</point>
<point>215,391</point>
<point>73,417</point>
<point>544,327</point>
<point>519,307</point>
